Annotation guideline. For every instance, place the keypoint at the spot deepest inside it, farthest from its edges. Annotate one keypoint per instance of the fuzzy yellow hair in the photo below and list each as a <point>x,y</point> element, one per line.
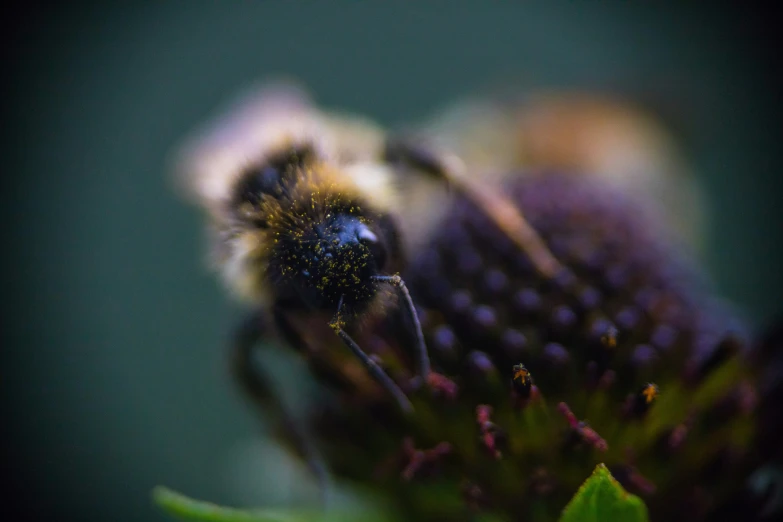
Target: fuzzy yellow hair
<point>274,118</point>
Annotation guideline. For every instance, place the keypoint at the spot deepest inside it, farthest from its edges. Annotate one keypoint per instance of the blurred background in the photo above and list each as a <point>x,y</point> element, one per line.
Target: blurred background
<point>114,374</point>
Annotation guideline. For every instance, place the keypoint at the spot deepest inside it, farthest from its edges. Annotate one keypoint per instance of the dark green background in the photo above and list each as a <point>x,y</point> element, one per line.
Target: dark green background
<point>113,376</point>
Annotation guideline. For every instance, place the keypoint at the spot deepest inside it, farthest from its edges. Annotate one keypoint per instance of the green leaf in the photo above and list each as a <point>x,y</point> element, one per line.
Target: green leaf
<point>186,508</point>
<point>602,498</point>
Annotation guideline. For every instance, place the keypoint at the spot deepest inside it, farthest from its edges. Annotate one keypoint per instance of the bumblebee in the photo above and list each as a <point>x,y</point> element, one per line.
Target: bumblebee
<point>302,227</point>
<point>310,217</point>
<point>302,219</point>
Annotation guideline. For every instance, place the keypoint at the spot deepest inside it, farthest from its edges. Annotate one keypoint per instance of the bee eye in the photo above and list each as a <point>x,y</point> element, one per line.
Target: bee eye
<point>263,180</point>
<point>370,240</point>
<point>268,178</point>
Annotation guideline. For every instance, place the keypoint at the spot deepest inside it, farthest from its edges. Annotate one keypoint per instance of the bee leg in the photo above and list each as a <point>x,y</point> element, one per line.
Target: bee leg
<point>258,387</point>
<point>507,216</point>
<point>375,371</point>
<point>421,346</point>
<point>407,152</point>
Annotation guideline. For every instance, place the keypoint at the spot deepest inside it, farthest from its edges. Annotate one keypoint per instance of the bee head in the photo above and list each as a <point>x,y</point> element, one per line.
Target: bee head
<point>334,259</point>
<point>322,239</point>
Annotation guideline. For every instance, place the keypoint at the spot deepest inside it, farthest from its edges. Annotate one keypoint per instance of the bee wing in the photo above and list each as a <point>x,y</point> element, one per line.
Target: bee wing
<point>258,122</point>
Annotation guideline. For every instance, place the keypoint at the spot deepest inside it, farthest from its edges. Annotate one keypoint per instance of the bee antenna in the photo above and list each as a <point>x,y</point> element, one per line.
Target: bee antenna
<point>421,347</point>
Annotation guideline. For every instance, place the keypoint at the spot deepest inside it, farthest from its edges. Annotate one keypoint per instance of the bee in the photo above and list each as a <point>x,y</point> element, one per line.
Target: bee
<point>302,220</point>
<point>310,216</point>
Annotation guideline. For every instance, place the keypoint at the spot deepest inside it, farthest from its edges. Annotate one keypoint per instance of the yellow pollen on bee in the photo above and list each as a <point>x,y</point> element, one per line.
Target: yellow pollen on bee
<point>521,375</point>
<point>650,392</point>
